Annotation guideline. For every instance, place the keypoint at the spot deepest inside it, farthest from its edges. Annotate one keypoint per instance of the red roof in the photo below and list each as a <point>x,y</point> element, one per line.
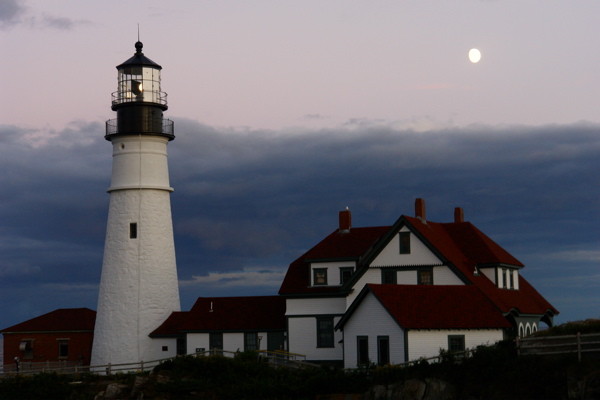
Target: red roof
<point>459,243</point>
<point>349,245</point>
<point>61,320</point>
<point>438,307</point>
<point>256,313</point>
<point>465,246</point>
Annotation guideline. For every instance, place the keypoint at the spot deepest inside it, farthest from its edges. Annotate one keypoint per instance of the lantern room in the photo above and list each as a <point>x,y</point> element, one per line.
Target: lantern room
<point>139,101</point>
<point>139,81</point>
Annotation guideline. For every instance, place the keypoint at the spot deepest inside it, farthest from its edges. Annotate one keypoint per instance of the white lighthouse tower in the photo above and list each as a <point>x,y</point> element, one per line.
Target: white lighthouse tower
<point>138,288</point>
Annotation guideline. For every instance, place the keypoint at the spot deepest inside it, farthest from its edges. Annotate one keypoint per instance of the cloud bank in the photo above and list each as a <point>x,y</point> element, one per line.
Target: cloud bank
<point>248,202</point>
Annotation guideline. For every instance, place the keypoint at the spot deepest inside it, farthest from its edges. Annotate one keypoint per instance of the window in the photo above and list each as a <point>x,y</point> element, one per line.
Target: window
<point>215,340</point>
<point>165,348</point>
<point>26,347</point>
<point>389,276</point>
<point>63,348</point>
<point>404,242</point>
<point>383,350</point>
<point>362,344</point>
<point>250,341</point>
<point>521,330</point>
<point>325,332</point>
<point>133,230</point>
<point>500,278</point>
<point>456,343</point>
<point>512,279</point>
<point>181,346</point>
<point>319,276</point>
<point>425,277</point>
<point>345,274</point>
<point>504,277</point>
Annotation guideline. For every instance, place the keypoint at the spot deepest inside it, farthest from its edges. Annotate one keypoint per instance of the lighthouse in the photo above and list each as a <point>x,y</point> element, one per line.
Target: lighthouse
<point>138,287</point>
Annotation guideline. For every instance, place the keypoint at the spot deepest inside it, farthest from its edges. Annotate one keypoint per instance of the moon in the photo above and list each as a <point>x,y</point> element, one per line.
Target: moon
<point>474,55</point>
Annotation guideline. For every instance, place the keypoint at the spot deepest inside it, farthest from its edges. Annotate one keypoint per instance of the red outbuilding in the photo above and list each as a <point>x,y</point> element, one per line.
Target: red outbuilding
<point>63,336</point>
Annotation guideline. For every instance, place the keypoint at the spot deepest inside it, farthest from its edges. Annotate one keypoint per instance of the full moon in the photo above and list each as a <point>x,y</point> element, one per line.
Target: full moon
<point>474,55</point>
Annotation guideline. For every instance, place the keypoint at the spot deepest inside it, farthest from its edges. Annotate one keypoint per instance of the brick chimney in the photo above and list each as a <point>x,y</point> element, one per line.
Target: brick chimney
<point>459,215</point>
<point>420,209</point>
<point>345,221</point>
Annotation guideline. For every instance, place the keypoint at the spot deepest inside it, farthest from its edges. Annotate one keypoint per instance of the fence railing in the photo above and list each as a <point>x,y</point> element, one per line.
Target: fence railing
<point>280,358</point>
<point>582,345</point>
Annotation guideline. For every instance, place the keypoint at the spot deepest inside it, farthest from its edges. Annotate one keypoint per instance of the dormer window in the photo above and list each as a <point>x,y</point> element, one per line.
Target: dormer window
<point>404,242</point>
<point>319,276</point>
<point>507,278</point>
<point>345,274</point>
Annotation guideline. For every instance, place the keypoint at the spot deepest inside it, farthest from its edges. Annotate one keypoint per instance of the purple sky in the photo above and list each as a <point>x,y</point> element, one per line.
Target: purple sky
<point>286,113</point>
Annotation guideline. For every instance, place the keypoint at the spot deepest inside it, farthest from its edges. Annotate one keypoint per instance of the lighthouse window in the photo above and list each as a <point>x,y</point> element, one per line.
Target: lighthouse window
<point>133,230</point>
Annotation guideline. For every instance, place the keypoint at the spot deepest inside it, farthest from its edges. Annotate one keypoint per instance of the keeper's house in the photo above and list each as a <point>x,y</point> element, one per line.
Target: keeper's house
<point>401,292</point>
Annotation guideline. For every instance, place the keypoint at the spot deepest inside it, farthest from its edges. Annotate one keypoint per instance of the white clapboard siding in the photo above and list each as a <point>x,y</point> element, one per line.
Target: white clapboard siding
<point>371,275</point>
<point>233,341</point>
<point>490,273</point>
<point>444,276</point>
<point>427,343</point>
<point>372,320</point>
<point>419,254</point>
<point>312,306</point>
<point>302,339</point>
<point>159,347</point>
<point>197,341</point>
<point>408,277</point>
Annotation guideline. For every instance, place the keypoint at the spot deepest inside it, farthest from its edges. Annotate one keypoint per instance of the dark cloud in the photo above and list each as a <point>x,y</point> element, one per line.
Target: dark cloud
<point>10,12</point>
<point>60,23</point>
<point>14,12</point>
<point>248,202</point>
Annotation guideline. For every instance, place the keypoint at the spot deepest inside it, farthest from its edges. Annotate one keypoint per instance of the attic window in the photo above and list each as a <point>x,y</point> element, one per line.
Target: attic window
<point>319,276</point>
<point>404,242</point>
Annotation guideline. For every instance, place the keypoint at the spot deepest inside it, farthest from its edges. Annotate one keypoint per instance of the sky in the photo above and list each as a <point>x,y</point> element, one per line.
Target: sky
<point>288,112</point>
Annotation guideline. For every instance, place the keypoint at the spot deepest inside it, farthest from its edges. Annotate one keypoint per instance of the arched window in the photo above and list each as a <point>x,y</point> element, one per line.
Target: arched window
<point>521,330</point>
<point>534,328</point>
<point>527,330</point>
